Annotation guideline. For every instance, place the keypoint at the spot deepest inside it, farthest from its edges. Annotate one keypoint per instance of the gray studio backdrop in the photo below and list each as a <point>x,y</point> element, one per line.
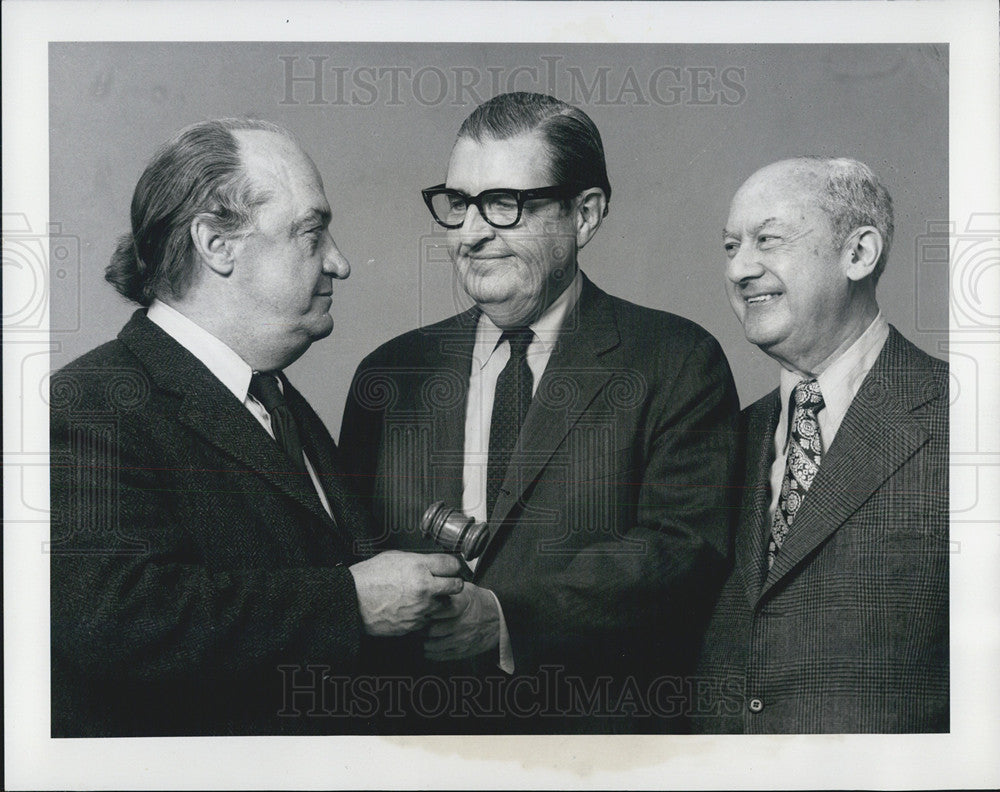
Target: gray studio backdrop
<point>683,126</point>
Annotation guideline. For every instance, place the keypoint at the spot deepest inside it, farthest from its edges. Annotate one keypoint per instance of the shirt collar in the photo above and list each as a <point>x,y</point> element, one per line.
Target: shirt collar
<point>841,380</point>
<point>220,359</point>
<point>546,327</point>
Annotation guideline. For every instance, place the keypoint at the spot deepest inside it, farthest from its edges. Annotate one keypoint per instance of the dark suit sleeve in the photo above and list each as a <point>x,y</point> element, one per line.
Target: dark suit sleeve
<point>653,585</point>
<point>163,575</point>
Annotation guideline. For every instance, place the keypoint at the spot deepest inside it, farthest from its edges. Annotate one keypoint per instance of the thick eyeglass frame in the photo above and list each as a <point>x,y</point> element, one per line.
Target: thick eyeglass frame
<point>521,196</point>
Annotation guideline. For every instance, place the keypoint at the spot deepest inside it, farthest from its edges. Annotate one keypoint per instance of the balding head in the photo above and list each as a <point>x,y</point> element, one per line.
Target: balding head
<point>846,190</point>
<point>200,171</point>
<point>806,239</point>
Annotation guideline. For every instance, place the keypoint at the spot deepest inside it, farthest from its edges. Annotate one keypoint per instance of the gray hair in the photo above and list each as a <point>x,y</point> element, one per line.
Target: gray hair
<point>852,196</point>
<point>199,171</point>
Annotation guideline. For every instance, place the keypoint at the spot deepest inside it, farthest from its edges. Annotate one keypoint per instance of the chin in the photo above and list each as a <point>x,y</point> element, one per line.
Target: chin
<point>489,288</point>
<point>510,313</point>
<point>320,328</point>
<point>766,343</point>
<point>762,332</point>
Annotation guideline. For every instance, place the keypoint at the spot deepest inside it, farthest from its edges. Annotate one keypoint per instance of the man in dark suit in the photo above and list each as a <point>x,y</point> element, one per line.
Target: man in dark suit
<point>594,436</point>
<point>835,618</point>
<point>206,569</point>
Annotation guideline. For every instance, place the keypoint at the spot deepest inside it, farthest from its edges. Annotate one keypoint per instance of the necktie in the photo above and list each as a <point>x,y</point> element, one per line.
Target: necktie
<point>805,450</point>
<point>510,405</point>
<point>264,388</point>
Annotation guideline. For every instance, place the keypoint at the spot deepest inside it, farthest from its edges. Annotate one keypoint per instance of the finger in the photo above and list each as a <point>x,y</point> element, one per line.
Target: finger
<point>437,646</point>
<point>438,603</point>
<point>441,565</point>
<point>437,658</point>
<point>438,609</point>
<point>445,585</point>
<point>440,629</point>
<point>441,650</point>
<point>441,613</point>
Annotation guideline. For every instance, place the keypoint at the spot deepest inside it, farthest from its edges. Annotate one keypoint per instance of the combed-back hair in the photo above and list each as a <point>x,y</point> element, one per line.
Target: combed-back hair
<point>576,150</point>
<point>199,171</point>
<point>852,196</point>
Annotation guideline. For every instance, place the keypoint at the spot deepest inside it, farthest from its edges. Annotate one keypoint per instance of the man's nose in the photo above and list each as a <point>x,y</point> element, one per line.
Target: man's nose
<point>475,228</point>
<point>743,265</point>
<point>334,263</point>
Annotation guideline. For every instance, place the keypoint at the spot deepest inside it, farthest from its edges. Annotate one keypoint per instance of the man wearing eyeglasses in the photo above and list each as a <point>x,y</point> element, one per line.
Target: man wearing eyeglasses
<point>593,436</point>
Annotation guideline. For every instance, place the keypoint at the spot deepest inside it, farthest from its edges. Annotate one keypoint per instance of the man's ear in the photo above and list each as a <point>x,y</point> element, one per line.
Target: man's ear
<point>861,252</point>
<point>214,247</point>
<point>592,205</point>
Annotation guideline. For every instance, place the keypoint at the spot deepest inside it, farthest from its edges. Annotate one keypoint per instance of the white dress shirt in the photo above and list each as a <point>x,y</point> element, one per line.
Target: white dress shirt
<point>228,367</point>
<point>488,360</point>
<point>839,383</point>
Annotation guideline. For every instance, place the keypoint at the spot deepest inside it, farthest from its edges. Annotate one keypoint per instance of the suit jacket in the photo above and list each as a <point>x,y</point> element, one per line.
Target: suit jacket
<point>848,632</point>
<point>611,532</point>
<point>194,576</point>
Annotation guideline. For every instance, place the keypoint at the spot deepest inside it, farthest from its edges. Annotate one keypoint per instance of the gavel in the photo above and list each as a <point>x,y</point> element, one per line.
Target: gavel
<point>454,530</point>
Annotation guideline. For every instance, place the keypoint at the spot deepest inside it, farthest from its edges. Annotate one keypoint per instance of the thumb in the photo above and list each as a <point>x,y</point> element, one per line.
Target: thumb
<point>441,565</point>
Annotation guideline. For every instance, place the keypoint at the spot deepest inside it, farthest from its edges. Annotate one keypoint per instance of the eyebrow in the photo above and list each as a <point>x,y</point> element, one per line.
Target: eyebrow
<point>488,189</point>
<point>756,229</point>
<point>314,216</point>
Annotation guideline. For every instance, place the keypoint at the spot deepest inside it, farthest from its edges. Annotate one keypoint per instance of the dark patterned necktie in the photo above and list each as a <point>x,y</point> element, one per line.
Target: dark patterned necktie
<point>805,451</point>
<point>264,388</point>
<point>510,405</point>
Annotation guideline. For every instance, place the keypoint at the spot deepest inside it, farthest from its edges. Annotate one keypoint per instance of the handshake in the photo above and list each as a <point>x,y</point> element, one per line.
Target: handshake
<point>401,592</point>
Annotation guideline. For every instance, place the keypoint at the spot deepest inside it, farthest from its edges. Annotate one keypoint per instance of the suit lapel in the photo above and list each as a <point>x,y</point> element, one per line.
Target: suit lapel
<point>450,360</point>
<point>319,447</point>
<point>210,410</point>
<point>761,422</point>
<point>876,437</point>
<point>574,372</point>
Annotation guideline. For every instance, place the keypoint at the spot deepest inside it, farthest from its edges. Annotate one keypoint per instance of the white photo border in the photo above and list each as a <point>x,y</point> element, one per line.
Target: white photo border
<point>964,758</point>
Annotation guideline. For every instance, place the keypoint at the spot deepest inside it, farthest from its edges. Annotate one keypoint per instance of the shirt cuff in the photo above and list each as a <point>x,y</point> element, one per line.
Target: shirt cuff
<point>506,662</point>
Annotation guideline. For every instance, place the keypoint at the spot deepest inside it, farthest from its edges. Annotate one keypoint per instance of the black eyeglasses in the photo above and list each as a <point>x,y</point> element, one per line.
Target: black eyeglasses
<point>500,208</point>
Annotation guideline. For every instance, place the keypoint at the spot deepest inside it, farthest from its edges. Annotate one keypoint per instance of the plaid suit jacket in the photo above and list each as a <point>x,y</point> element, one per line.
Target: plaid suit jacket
<point>849,630</point>
<point>194,576</point>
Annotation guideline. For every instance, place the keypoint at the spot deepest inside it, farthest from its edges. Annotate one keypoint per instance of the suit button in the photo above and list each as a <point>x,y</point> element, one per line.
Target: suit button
<point>755,705</point>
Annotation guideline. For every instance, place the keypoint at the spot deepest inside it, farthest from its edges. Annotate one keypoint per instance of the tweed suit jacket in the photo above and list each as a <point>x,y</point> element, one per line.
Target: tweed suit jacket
<point>611,533</point>
<point>194,575</point>
<point>848,632</point>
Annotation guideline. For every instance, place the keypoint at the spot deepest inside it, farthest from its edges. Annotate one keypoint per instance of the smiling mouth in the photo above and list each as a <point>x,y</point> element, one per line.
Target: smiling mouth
<point>761,298</point>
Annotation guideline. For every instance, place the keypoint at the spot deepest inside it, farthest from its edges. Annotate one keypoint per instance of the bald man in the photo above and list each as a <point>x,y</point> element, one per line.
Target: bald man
<point>835,617</point>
